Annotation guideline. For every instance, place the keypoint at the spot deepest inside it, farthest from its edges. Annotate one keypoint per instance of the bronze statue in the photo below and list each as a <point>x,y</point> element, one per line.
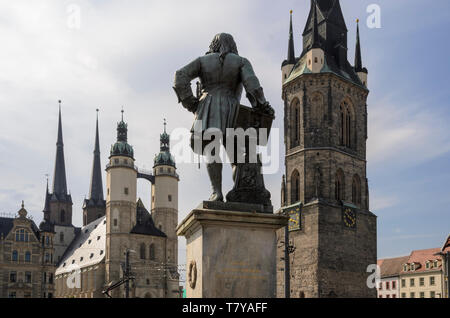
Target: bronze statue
<point>223,74</point>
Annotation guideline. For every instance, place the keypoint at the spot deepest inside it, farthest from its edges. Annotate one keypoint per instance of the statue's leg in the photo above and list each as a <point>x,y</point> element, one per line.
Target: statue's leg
<point>215,175</point>
<point>214,167</point>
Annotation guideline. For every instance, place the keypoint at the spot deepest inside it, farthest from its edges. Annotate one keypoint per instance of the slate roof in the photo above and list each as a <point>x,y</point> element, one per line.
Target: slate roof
<point>87,249</point>
<point>89,246</point>
<point>7,224</point>
<point>330,66</point>
<point>145,224</point>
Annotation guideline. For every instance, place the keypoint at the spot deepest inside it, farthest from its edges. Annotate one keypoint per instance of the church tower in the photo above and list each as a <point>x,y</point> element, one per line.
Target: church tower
<point>95,207</point>
<point>60,203</point>
<point>326,176</point>
<point>121,182</point>
<point>165,197</point>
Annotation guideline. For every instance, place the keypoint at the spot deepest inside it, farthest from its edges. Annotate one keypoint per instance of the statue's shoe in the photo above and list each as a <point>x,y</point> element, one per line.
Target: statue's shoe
<point>216,197</point>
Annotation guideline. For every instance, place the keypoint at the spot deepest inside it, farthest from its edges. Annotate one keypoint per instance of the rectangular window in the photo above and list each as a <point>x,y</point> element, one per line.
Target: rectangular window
<point>388,296</point>
<point>394,296</point>
<point>432,294</point>
<point>388,286</point>
<point>380,287</point>
<point>394,285</point>
<point>126,191</point>
<point>412,282</point>
<point>422,295</point>
<point>13,277</point>
<point>170,198</point>
<point>12,295</point>
<point>403,295</point>
<point>412,295</point>
<point>28,277</point>
<point>422,281</point>
<point>403,283</point>
<point>432,281</point>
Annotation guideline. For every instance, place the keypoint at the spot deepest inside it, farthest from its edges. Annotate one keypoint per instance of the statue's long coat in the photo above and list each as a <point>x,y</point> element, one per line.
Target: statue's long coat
<point>222,83</point>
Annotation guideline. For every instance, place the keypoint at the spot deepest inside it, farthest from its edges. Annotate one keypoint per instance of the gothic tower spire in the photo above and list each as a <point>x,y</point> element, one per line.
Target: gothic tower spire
<point>59,176</point>
<point>291,47</point>
<point>288,65</point>
<point>359,69</point>
<point>95,206</point>
<point>358,58</point>
<point>96,190</point>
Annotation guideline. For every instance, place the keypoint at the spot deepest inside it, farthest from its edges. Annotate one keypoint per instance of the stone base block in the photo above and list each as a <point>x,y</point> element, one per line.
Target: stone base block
<point>230,254</point>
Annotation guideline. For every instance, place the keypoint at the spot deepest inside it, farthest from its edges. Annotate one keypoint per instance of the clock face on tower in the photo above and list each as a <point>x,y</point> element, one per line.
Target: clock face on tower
<point>349,218</point>
<point>294,219</point>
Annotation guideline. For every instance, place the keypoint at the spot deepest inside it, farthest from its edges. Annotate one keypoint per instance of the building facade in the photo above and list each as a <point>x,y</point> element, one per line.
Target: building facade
<point>26,258</point>
<point>422,275</point>
<point>325,138</point>
<point>95,259</point>
<point>389,285</point>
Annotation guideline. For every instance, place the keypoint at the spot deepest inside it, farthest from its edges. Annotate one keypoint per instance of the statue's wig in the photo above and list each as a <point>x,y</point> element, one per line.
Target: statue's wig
<point>223,43</point>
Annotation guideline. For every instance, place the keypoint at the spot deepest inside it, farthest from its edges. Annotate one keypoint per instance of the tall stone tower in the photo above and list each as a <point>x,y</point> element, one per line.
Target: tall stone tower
<point>333,232</point>
<point>165,197</point>
<point>95,206</point>
<point>121,182</point>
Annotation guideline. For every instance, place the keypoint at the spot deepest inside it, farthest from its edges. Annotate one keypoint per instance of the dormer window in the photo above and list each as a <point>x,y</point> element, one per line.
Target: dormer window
<point>436,264</point>
<point>428,265</point>
<point>413,267</point>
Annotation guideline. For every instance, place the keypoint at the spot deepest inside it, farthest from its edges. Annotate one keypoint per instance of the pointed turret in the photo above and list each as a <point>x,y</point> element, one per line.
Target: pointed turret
<point>325,43</point>
<point>164,158</point>
<point>47,203</point>
<point>94,207</point>
<point>59,176</point>
<point>96,190</point>
<point>288,64</point>
<point>121,147</point>
<point>291,47</point>
<point>359,69</point>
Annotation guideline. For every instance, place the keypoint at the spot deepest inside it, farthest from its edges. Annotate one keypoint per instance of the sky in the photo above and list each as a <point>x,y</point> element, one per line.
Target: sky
<point>109,54</point>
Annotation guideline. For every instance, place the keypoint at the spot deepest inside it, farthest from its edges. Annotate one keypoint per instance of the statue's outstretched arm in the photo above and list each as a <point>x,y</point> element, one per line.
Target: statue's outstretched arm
<point>182,86</point>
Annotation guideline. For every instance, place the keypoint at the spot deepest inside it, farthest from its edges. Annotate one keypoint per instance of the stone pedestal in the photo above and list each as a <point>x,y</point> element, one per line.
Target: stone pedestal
<point>231,253</point>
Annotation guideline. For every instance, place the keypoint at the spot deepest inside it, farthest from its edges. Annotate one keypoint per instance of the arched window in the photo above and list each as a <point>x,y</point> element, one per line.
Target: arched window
<point>295,123</point>
<point>152,252</point>
<point>339,185</point>
<point>347,125</point>
<point>317,110</point>
<point>295,187</point>
<point>62,216</point>
<point>142,251</point>
<point>356,190</point>
<point>27,257</point>
<point>15,256</point>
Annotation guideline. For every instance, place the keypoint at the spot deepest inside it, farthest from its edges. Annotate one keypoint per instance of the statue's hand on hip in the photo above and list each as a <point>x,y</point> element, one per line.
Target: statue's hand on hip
<point>191,104</point>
